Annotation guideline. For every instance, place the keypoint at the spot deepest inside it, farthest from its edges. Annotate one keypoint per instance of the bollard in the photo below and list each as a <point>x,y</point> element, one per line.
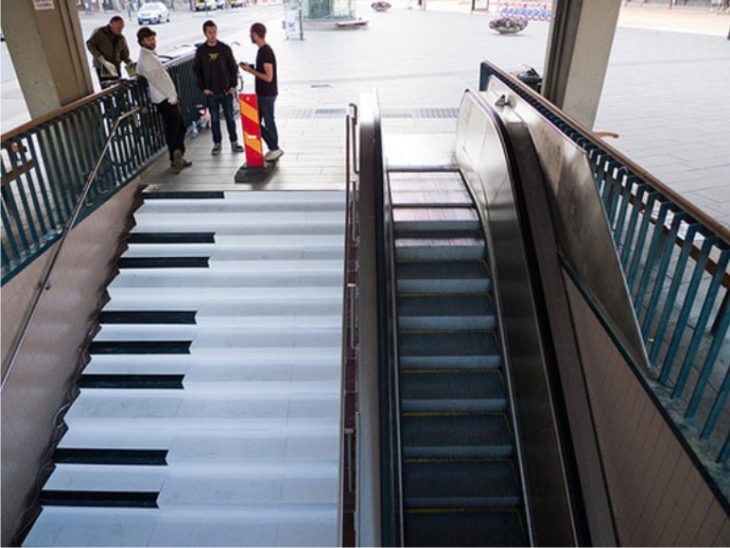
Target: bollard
<point>251,130</point>
<point>255,170</point>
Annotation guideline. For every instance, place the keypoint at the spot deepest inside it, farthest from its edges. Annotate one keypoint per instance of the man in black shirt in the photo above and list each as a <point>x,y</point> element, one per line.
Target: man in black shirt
<point>266,90</point>
<point>217,75</point>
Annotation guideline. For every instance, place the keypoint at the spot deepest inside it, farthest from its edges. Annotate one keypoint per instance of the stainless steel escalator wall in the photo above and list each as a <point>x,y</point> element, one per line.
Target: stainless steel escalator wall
<point>660,492</point>
<point>482,151</point>
<point>379,512</point>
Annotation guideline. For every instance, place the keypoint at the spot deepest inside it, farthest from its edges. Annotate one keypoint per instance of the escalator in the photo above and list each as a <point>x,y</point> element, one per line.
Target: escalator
<point>462,436</point>
<point>461,482</point>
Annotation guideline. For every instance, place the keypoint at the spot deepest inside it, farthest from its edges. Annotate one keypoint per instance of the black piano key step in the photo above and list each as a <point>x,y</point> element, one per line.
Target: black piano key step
<point>120,499</point>
<point>140,347</point>
<point>167,317</point>
<point>164,262</point>
<point>137,457</point>
<point>174,382</point>
<point>171,238</point>
<point>187,195</point>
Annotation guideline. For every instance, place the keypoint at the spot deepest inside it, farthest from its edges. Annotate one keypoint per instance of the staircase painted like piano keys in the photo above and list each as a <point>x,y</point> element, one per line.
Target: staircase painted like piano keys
<point>209,413</point>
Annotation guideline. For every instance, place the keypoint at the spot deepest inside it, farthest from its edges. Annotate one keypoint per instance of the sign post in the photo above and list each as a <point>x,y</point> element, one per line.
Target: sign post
<point>293,20</point>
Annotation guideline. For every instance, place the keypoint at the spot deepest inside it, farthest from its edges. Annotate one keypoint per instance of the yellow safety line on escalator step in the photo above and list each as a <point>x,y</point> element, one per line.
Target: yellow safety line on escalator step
<point>464,510</point>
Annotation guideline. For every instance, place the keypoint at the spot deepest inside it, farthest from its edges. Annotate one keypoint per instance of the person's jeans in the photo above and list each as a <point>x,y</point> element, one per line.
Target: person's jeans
<point>214,103</point>
<point>174,127</point>
<point>268,123</point>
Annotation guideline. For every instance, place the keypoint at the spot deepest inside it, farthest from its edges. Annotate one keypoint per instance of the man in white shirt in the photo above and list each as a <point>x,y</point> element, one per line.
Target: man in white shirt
<point>164,95</point>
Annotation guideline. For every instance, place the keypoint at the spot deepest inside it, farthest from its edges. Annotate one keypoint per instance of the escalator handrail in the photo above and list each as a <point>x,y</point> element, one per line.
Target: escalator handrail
<point>377,332</point>
<point>349,315</point>
<point>488,111</point>
<point>388,320</point>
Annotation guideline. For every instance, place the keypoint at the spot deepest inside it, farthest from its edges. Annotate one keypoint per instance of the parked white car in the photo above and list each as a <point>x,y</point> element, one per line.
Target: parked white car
<point>153,12</point>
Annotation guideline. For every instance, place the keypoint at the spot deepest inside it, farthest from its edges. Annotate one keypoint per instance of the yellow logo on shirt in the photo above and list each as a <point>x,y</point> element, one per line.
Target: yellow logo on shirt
<point>213,56</point>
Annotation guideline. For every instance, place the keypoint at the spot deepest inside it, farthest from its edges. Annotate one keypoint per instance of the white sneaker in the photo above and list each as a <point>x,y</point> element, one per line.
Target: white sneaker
<point>273,155</point>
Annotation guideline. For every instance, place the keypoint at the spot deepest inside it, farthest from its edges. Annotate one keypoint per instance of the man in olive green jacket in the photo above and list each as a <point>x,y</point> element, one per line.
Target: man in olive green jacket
<point>109,48</point>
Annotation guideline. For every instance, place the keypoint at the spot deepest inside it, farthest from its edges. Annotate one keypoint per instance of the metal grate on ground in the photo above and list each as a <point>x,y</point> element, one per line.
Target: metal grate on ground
<point>414,113</point>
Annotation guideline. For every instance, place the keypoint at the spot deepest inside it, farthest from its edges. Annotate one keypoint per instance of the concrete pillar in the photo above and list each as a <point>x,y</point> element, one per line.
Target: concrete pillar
<point>47,49</point>
<point>579,45</point>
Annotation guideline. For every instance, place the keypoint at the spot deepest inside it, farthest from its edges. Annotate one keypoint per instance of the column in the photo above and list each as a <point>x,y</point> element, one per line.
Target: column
<point>46,45</point>
<point>579,45</point>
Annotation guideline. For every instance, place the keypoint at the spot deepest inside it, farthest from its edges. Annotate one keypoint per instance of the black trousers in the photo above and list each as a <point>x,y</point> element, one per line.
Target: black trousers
<point>174,127</point>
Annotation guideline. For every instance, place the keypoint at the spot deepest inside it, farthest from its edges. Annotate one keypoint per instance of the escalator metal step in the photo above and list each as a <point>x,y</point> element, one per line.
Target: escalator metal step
<point>464,390</point>
<point>484,527</point>
<point>411,185</point>
<point>456,435</point>
<point>440,198</point>
<point>439,247</point>
<point>442,277</point>
<point>468,483</point>
<point>439,176</point>
<point>410,219</point>
<point>438,349</point>
<point>446,312</point>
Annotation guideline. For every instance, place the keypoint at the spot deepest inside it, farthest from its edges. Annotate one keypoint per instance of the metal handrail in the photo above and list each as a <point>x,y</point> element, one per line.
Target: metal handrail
<point>35,122</point>
<point>349,315</point>
<point>387,305</point>
<point>45,161</point>
<point>45,285</point>
<point>690,208</point>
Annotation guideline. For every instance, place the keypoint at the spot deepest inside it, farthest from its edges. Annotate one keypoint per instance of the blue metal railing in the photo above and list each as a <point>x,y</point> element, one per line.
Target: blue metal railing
<point>675,260</point>
<point>46,161</point>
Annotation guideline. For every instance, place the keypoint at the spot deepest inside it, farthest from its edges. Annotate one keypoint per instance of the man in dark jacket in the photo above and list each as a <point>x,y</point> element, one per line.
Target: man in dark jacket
<point>109,48</point>
<point>217,75</point>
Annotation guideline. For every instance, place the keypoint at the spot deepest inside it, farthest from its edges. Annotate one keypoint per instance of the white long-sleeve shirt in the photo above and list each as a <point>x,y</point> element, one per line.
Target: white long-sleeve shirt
<point>161,85</point>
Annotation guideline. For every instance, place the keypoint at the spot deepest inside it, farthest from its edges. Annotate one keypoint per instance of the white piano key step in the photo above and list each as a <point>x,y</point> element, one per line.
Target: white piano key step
<point>172,404</point>
<point>223,336</point>
<point>208,446</point>
<point>266,525</point>
<point>283,223</point>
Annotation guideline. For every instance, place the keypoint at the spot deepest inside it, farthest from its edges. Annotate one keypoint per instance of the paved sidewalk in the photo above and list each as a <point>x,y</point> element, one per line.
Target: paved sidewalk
<point>665,92</point>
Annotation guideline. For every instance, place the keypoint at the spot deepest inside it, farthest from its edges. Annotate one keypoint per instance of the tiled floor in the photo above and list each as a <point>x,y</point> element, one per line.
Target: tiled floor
<point>314,159</point>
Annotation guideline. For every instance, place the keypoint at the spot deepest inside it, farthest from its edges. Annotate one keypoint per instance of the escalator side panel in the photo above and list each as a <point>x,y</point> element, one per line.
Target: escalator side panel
<point>483,155</point>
